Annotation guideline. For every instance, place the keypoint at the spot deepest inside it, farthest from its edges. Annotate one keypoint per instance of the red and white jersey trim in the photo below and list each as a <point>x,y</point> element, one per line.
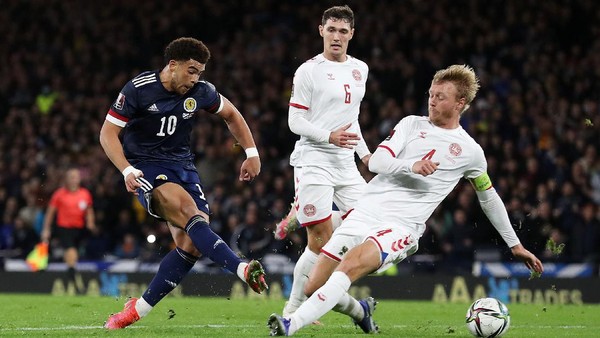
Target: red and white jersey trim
<point>116,118</point>
<point>299,106</point>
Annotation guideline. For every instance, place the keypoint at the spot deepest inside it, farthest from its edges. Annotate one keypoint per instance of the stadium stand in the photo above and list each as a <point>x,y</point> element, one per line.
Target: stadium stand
<point>537,115</point>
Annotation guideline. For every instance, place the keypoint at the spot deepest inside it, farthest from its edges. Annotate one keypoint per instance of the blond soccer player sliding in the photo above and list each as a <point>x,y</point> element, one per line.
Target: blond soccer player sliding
<point>418,165</point>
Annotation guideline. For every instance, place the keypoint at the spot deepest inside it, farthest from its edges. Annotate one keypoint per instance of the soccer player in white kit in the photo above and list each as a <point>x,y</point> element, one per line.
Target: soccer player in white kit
<point>323,110</point>
<point>418,165</point>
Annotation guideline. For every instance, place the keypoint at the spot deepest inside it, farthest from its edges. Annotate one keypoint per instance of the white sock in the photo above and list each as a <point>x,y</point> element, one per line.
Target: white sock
<point>348,305</point>
<point>305,263</point>
<point>323,300</point>
<point>240,271</point>
<point>142,307</point>
<point>336,219</point>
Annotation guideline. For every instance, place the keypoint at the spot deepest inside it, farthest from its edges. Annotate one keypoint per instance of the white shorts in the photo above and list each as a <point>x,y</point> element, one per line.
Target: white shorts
<point>317,188</point>
<point>395,241</point>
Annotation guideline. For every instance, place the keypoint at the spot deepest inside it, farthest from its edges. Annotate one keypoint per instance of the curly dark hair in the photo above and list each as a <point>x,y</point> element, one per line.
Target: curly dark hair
<point>344,13</point>
<point>183,49</point>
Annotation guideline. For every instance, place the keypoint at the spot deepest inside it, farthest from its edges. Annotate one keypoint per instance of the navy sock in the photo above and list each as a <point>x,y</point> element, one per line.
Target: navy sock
<point>211,245</point>
<point>173,268</point>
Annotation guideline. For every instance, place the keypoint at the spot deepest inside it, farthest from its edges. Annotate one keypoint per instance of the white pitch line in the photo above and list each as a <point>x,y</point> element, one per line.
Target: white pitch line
<point>95,327</point>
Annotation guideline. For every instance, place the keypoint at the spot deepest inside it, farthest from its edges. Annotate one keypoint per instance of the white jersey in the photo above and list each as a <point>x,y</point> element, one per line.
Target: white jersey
<point>412,198</point>
<point>328,94</point>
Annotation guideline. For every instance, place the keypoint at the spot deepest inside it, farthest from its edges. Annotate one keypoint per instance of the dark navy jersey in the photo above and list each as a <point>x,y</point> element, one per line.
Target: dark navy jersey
<point>158,123</point>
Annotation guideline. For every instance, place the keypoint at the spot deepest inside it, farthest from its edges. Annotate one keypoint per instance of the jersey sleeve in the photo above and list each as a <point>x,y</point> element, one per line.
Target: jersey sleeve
<point>88,198</point>
<point>384,159</point>
<point>301,89</point>
<point>396,141</point>
<point>478,167</point>
<point>299,105</point>
<point>54,199</point>
<point>124,106</point>
<point>213,101</point>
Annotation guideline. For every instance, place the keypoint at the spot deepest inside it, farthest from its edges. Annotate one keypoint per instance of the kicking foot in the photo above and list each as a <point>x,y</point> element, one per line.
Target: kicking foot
<point>124,318</point>
<point>255,276</point>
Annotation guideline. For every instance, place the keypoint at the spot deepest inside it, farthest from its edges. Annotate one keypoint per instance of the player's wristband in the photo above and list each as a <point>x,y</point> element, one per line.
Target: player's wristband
<point>251,152</point>
<point>130,170</point>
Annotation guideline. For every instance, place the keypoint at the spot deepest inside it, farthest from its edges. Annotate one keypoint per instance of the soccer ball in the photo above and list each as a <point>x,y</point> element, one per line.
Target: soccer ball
<point>488,317</point>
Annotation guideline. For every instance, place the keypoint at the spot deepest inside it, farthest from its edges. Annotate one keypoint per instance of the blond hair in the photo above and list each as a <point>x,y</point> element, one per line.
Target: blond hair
<point>465,80</point>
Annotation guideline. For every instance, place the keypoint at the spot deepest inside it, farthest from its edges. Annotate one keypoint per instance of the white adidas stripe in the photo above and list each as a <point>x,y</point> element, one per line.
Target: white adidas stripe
<point>139,84</point>
<point>142,78</point>
<point>146,186</point>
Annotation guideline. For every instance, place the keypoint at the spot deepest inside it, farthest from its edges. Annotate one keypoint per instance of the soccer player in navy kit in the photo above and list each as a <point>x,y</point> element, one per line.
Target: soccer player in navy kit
<point>156,111</point>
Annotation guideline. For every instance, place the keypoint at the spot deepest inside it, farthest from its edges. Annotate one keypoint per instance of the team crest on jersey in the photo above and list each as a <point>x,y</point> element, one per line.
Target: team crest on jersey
<point>162,177</point>
<point>120,103</point>
<point>356,75</point>
<point>309,210</point>
<point>189,105</point>
<point>455,149</point>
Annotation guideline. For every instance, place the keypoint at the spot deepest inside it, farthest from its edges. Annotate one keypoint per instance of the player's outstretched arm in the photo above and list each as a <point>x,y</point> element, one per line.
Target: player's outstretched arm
<point>241,132</point>
<point>494,209</point>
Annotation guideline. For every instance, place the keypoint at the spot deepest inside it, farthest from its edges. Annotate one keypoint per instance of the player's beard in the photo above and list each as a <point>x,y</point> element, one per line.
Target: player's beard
<point>440,118</point>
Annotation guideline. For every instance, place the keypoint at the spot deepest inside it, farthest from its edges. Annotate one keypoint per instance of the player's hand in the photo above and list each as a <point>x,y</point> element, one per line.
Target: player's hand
<point>425,167</point>
<point>344,139</point>
<point>130,176</point>
<point>250,169</point>
<point>530,260</point>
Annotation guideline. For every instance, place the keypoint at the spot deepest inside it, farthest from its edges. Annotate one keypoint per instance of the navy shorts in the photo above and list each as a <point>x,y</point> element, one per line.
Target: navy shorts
<point>157,173</point>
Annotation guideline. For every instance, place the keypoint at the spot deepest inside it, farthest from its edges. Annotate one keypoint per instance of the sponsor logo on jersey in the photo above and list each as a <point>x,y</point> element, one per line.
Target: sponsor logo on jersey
<point>455,149</point>
<point>153,107</point>
<point>309,210</point>
<point>422,134</point>
<point>356,75</point>
<point>120,103</point>
<point>189,105</point>
<point>330,76</point>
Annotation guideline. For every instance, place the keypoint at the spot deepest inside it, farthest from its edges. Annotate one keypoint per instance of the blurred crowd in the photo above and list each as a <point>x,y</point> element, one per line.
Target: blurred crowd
<point>537,115</point>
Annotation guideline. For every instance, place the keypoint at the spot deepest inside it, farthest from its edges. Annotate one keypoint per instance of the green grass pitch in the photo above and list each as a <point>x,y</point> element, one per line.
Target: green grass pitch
<point>83,316</point>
